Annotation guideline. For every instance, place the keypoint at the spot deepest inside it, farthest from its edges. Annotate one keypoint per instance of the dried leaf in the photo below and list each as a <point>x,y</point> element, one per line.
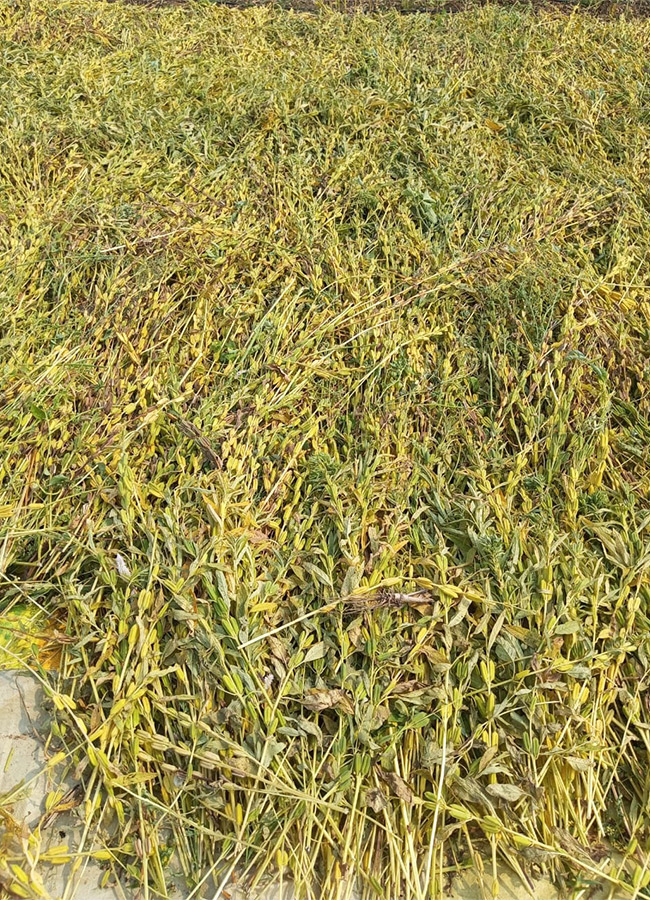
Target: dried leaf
<point>278,649</point>
<point>408,687</point>
<point>508,792</point>
<point>397,785</point>
<point>376,800</point>
<point>469,789</point>
<point>318,699</point>
<point>309,727</point>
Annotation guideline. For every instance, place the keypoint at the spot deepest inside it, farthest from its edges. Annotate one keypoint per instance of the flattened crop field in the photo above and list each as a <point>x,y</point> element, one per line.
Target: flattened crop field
<point>324,439</point>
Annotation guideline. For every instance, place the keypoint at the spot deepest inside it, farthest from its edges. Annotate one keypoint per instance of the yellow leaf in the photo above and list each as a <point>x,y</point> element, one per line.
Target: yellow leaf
<point>20,874</point>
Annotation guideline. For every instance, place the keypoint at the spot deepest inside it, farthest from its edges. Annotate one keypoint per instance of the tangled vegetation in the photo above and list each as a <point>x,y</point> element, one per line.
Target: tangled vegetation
<point>324,439</point>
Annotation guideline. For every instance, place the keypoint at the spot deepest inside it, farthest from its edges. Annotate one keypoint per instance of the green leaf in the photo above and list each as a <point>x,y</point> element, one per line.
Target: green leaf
<point>39,414</point>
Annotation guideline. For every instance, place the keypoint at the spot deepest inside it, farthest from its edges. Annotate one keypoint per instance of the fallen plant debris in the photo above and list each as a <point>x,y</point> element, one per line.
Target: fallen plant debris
<point>604,8</point>
<point>325,476</point>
